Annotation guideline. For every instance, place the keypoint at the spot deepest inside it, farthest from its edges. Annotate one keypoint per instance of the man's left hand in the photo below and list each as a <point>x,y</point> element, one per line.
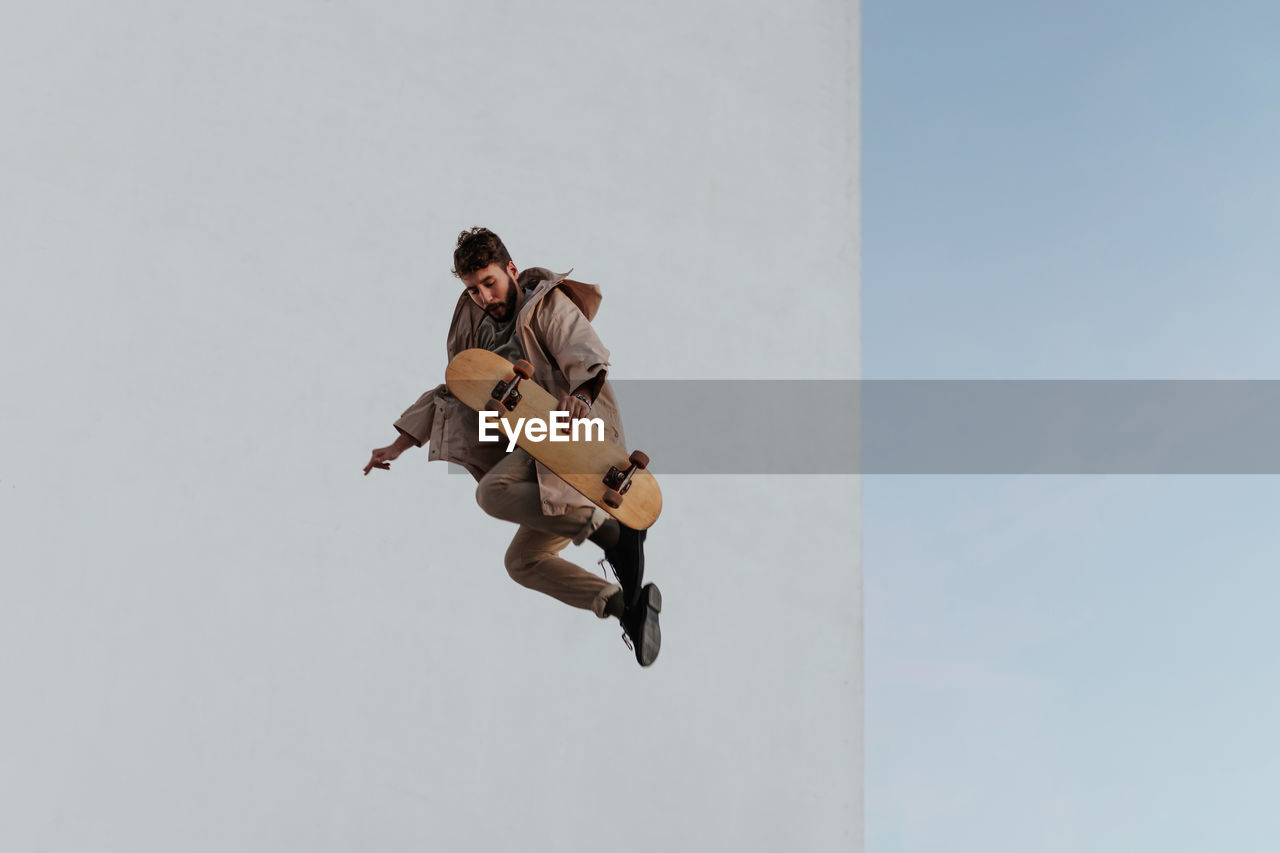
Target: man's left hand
<point>576,408</point>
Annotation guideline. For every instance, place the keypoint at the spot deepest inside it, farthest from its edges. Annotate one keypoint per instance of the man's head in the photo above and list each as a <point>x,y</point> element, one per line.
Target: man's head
<point>486,269</point>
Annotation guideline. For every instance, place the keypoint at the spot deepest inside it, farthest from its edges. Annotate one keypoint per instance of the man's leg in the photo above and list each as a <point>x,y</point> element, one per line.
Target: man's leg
<point>510,492</point>
<point>533,560</point>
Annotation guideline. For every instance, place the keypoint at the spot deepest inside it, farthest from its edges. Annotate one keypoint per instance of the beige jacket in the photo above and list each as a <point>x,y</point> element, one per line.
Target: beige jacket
<point>554,327</point>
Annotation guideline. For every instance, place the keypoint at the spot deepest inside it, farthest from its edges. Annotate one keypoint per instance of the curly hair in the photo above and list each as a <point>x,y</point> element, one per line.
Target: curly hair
<point>478,248</point>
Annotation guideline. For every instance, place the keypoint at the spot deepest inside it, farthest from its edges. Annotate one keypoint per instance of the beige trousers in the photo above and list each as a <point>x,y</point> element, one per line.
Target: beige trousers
<point>510,492</point>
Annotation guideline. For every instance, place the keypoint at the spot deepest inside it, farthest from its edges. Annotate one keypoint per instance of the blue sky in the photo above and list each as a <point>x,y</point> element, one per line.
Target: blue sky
<point>1069,192</point>
<point>1083,191</point>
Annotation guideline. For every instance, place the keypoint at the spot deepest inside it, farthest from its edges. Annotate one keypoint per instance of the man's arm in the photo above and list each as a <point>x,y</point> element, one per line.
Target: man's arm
<point>383,456</point>
<point>416,421</point>
<point>573,343</point>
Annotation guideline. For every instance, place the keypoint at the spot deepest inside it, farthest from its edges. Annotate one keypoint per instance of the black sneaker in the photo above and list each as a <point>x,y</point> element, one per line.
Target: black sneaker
<point>640,625</point>
<point>627,559</point>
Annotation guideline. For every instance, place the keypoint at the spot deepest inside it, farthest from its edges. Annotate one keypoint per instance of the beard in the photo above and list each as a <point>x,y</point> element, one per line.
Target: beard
<point>508,308</point>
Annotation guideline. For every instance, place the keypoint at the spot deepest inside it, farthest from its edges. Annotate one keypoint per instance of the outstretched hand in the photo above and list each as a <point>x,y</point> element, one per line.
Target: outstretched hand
<point>382,458</point>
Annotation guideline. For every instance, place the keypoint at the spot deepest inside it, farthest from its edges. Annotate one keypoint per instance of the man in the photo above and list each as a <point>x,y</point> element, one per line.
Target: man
<point>546,320</point>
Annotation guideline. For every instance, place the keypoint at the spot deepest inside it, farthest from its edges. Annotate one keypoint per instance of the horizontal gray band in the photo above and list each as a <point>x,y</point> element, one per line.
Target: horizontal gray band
<point>954,427</point>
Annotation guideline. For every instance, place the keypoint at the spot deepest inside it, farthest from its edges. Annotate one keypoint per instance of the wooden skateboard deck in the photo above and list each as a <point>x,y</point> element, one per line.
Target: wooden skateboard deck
<point>601,470</point>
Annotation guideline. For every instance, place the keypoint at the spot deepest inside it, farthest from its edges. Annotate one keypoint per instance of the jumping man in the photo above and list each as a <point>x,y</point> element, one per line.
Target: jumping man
<point>545,319</point>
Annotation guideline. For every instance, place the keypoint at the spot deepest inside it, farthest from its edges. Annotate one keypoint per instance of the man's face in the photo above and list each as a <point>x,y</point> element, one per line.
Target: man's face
<point>493,289</point>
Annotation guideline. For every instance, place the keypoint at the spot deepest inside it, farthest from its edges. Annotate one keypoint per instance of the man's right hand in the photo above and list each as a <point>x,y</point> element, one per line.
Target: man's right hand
<point>383,456</point>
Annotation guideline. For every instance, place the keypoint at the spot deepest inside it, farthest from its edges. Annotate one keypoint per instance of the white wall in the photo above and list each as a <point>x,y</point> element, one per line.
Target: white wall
<point>227,236</point>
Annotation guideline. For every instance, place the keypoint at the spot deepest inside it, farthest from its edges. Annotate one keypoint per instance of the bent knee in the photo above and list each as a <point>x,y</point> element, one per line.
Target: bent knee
<point>523,564</point>
<point>489,496</point>
<point>520,556</point>
<point>521,568</point>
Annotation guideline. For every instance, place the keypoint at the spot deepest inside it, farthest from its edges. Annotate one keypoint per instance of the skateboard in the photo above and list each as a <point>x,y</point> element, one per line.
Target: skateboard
<point>603,472</point>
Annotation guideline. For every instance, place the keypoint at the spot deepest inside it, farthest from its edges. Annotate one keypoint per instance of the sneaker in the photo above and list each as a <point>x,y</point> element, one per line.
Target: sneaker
<point>627,559</point>
<point>640,625</point>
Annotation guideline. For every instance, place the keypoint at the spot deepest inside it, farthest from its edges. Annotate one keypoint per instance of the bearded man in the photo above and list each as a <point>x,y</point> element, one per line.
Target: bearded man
<point>544,319</point>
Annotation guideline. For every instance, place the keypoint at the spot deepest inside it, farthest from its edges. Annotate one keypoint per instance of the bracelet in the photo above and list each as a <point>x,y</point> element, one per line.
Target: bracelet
<point>583,398</point>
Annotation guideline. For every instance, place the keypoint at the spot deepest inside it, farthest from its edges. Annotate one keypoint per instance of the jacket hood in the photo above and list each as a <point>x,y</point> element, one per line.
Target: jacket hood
<point>586,296</point>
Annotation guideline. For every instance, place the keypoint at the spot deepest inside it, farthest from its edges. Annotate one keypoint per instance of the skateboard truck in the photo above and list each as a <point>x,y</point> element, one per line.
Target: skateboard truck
<point>506,394</point>
<point>618,482</point>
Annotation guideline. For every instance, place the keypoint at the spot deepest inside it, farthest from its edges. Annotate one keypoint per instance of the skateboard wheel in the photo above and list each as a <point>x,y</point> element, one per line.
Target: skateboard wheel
<point>523,369</point>
<point>612,499</point>
<point>639,458</point>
